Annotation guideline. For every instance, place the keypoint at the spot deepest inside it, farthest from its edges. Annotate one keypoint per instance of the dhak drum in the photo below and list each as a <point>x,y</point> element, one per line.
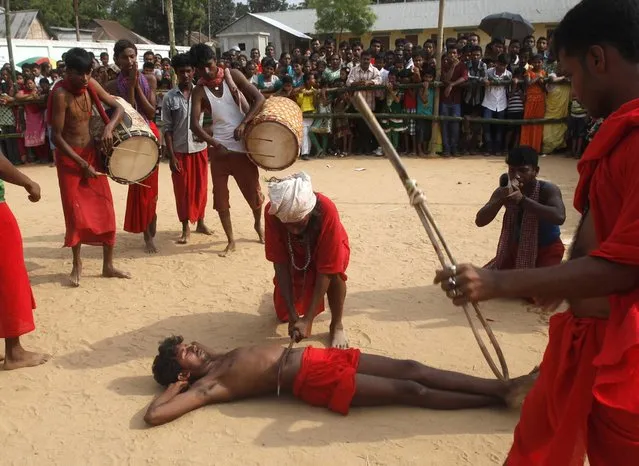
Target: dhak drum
<point>135,148</point>
<point>274,137</point>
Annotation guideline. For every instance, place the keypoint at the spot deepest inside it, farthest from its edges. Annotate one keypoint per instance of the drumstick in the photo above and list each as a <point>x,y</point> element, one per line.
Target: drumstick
<point>132,182</point>
<point>130,150</point>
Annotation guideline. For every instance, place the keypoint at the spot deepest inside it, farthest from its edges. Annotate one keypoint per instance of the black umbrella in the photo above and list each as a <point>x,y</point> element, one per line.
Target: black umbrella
<point>506,25</point>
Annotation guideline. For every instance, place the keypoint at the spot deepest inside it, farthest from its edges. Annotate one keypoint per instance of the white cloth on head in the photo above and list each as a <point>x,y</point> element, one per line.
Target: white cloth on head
<point>292,198</point>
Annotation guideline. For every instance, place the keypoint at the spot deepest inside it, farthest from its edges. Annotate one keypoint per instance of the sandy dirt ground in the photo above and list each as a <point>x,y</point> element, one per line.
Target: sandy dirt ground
<point>86,405</point>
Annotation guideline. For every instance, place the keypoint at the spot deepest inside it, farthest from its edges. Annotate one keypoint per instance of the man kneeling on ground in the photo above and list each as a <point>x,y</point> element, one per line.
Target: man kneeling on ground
<point>530,235</point>
<point>196,376</point>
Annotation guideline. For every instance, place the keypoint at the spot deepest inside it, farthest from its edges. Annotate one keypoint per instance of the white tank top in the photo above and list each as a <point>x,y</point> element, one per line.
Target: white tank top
<point>226,116</point>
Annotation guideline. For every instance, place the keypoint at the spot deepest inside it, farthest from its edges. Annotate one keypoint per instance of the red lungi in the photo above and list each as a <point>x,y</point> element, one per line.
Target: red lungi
<point>16,297</point>
<point>327,378</point>
<point>329,255</point>
<point>546,255</point>
<point>141,202</point>
<point>587,397</point>
<point>190,185</point>
<point>87,203</point>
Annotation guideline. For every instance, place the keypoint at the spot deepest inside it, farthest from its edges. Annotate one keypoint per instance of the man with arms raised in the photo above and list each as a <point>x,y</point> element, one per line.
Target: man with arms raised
<point>222,95</point>
<point>530,235</point>
<point>586,400</point>
<point>333,378</point>
<point>189,158</point>
<point>86,197</point>
<point>308,246</point>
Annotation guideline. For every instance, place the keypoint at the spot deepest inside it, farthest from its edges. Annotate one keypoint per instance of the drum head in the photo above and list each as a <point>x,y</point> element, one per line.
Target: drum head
<point>272,146</point>
<point>134,159</point>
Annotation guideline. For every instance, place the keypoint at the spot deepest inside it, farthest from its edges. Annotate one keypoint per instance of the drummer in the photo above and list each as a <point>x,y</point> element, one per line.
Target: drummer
<point>308,246</point>
<point>139,91</point>
<point>86,197</point>
<point>227,149</point>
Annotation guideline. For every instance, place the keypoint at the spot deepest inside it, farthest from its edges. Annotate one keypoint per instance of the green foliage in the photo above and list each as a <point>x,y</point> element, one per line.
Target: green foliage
<point>355,16</point>
<point>262,6</point>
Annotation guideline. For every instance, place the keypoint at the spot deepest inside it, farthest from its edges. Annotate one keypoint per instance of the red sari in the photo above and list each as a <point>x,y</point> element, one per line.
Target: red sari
<point>16,297</point>
<point>535,107</point>
<point>329,255</point>
<point>586,399</point>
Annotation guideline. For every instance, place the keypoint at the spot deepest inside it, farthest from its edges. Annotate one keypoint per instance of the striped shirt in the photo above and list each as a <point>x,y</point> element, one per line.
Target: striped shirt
<point>516,100</point>
<point>576,110</point>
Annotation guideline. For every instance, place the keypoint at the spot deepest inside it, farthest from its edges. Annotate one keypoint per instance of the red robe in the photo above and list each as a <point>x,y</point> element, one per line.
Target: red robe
<point>586,399</point>
<point>190,185</point>
<point>141,201</point>
<point>87,203</point>
<point>329,255</point>
<point>16,297</point>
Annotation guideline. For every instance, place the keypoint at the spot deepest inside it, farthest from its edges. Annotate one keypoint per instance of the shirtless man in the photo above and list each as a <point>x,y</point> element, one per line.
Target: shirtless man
<point>228,151</point>
<point>333,378</point>
<point>586,400</point>
<point>86,196</point>
<point>534,211</point>
<point>139,91</point>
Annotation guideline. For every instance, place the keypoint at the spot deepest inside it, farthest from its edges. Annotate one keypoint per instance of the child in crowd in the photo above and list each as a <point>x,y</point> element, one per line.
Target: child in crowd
<point>267,82</point>
<point>494,104</point>
<point>577,127</point>
<point>425,106</point>
<point>307,100</point>
<point>515,109</point>
<point>393,100</point>
<point>322,126</point>
<point>287,89</point>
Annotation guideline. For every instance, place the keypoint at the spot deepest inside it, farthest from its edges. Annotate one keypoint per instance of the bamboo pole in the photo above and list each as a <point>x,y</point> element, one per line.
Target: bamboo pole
<point>171,23</point>
<point>7,20</point>
<point>438,59</point>
<point>76,13</point>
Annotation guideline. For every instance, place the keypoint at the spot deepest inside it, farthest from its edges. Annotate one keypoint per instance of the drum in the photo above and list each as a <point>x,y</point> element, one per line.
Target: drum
<point>274,137</point>
<point>135,148</point>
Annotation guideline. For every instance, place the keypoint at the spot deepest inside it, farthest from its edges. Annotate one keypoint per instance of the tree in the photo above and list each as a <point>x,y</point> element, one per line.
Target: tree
<point>264,6</point>
<point>223,12</point>
<point>337,16</point>
<point>241,9</point>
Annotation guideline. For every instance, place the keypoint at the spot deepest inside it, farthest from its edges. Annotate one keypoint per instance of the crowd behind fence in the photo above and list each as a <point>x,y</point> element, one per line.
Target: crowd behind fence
<point>487,101</point>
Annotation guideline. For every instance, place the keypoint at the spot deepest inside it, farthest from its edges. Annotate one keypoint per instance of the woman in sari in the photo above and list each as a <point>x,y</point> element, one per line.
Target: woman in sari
<point>35,128</point>
<point>535,106</point>
<point>557,103</point>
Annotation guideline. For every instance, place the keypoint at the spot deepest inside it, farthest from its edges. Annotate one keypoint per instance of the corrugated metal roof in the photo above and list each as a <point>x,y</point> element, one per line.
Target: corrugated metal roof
<point>115,31</point>
<point>424,14</point>
<point>275,23</point>
<point>21,22</point>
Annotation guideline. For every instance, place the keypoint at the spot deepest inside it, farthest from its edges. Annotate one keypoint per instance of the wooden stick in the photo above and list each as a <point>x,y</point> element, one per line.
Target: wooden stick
<point>130,182</point>
<point>434,235</point>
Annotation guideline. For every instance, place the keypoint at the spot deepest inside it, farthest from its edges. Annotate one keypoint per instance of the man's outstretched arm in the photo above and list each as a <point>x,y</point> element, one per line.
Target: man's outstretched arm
<point>172,404</point>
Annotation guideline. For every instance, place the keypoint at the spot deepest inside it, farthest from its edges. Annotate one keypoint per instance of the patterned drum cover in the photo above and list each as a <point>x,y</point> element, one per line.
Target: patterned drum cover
<point>274,137</point>
<point>135,148</point>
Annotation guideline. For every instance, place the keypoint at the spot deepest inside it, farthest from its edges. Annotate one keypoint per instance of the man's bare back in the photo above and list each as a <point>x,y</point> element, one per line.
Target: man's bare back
<point>333,378</point>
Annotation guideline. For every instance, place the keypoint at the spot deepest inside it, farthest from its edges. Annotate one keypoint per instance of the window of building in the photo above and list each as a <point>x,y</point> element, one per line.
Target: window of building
<point>412,38</point>
<point>242,46</point>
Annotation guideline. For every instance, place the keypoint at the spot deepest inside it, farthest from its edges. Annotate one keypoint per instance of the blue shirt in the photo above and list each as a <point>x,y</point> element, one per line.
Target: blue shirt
<point>426,108</point>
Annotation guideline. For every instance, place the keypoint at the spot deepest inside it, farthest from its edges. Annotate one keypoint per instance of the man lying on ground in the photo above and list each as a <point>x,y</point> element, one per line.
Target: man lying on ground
<point>196,376</point>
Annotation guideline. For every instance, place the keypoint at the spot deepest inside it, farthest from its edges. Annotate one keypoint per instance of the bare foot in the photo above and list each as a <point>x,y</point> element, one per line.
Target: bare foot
<point>24,358</point>
<point>112,272</point>
<point>149,246</point>
<point>1,357</point>
<point>76,272</point>
<point>518,389</point>
<point>338,337</point>
<point>260,233</point>
<point>202,228</point>
<point>184,239</point>
<point>229,249</point>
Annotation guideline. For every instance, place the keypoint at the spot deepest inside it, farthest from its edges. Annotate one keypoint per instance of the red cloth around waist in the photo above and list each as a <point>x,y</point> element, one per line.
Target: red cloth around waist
<point>16,297</point>
<point>327,378</point>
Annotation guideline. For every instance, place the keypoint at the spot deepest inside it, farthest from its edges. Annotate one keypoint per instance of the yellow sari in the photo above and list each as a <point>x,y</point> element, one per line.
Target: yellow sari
<point>557,104</point>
